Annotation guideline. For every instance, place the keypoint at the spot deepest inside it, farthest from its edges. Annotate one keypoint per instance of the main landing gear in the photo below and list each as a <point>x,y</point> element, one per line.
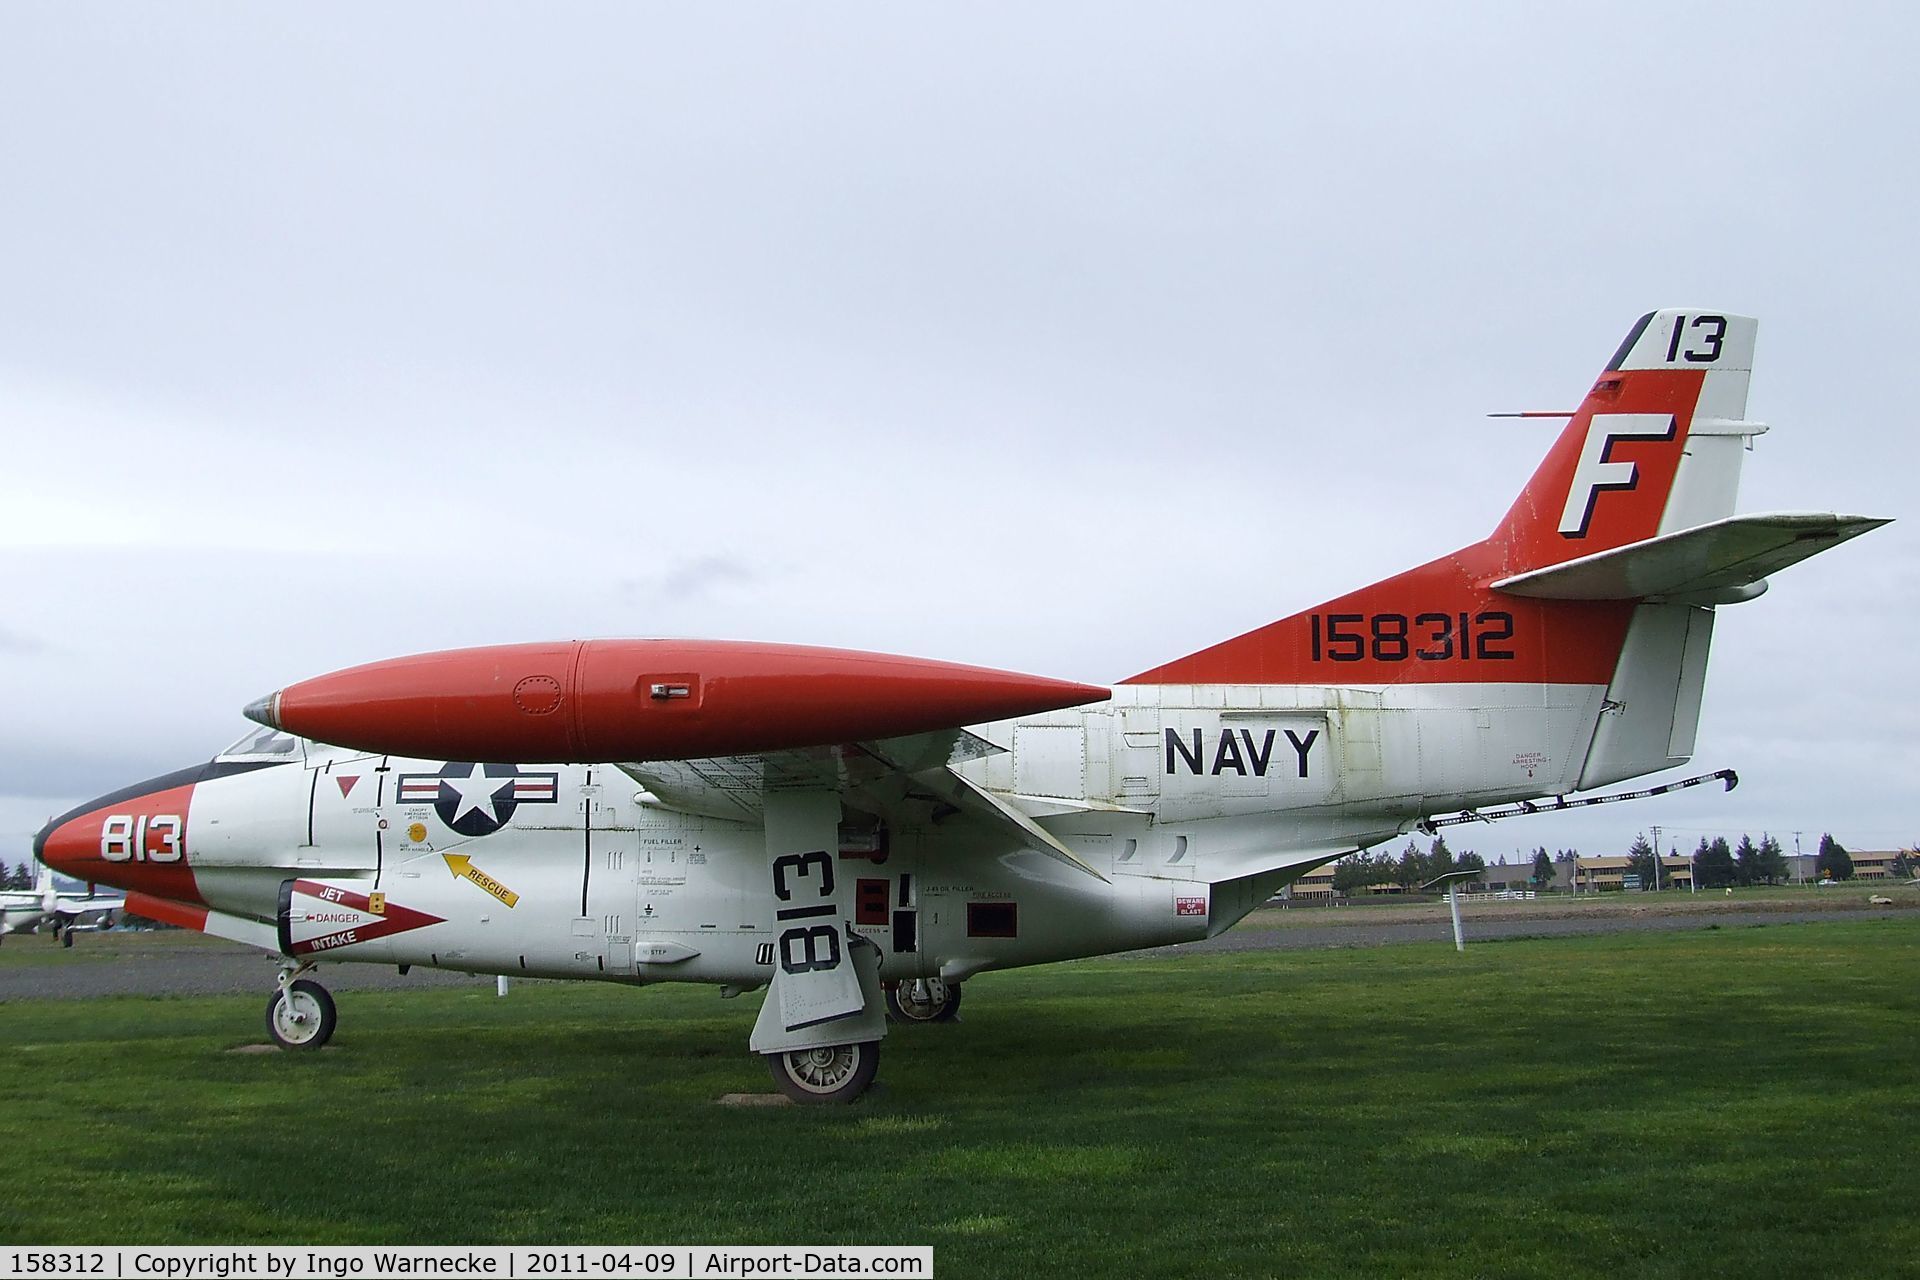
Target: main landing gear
<point>831,1073</point>
<point>300,1015</point>
<point>923,1000</point>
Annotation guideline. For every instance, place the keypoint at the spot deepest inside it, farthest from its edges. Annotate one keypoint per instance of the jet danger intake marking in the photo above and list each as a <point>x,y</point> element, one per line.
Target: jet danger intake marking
<point>322,917</point>
<point>477,799</point>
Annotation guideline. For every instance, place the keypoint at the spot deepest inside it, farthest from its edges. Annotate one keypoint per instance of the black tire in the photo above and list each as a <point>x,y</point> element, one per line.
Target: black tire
<point>923,1000</point>
<point>309,1025</point>
<point>66,937</point>
<point>836,1074</point>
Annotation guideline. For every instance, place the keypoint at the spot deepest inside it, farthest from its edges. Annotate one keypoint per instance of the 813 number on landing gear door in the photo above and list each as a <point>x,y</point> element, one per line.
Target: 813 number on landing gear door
<point>806,948</point>
<point>814,978</point>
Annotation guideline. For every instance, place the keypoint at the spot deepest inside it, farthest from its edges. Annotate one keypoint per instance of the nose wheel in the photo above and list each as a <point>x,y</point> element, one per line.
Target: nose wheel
<point>301,1015</point>
<point>829,1074</point>
<point>923,1000</point>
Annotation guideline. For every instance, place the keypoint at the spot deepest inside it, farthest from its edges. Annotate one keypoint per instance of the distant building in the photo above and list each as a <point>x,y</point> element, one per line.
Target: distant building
<point>1602,875</point>
<point>1868,864</point>
<point>1315,886</point>
<point>1504,877</point>
<point>1876,864</point>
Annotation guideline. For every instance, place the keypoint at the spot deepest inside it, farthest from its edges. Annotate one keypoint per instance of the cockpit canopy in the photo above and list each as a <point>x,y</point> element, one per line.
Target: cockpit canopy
<point>264,744</point>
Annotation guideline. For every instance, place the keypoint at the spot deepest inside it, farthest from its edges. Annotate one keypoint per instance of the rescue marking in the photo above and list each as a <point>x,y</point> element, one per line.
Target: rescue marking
<point>463,869</point>
<point>346,782</point>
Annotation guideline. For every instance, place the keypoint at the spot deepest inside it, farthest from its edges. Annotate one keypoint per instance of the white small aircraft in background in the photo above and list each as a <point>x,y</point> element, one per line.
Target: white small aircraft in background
<point>861,833</point>
<point>25,910</point>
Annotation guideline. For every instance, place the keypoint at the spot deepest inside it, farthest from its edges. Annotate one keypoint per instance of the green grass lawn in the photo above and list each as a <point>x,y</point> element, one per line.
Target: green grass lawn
<point>1733,1102</point>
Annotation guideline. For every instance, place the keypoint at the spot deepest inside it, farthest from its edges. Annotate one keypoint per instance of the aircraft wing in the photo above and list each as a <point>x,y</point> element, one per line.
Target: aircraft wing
<point>734,787</point>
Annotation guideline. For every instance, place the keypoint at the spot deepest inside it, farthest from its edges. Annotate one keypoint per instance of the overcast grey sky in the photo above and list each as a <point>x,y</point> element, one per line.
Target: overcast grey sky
<point>1063,338</point>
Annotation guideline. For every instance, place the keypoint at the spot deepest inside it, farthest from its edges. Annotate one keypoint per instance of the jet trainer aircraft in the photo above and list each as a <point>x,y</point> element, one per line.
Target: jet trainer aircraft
<point>861,833</point>
<point>25,910</point>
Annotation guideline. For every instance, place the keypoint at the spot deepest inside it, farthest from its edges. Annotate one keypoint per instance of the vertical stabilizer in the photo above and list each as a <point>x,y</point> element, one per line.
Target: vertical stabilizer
<point>1657,439</point>
<point>1655,446</point>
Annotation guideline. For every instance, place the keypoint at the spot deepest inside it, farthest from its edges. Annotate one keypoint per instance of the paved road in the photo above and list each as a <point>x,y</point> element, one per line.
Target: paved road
<point>178,965</point>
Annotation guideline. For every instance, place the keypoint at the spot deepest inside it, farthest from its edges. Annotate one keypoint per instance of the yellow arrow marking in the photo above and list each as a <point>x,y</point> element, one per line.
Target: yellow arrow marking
<point>463,869</point>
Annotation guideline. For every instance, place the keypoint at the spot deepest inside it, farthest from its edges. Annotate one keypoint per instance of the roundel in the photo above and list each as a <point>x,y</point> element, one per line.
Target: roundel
<point>478,799</point>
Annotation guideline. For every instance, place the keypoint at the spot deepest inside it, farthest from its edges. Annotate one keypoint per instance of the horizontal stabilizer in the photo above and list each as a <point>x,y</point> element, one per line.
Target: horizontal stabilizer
<point>1722,562</point>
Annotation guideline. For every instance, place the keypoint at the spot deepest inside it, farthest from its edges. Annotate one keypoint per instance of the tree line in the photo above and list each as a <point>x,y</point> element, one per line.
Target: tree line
<point>1716,864</point>
<point>1414,866</point>
<point>20,877</point>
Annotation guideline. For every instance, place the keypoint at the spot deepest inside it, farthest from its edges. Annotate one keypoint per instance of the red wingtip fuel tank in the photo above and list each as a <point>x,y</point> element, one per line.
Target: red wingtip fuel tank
<point>599,700</point>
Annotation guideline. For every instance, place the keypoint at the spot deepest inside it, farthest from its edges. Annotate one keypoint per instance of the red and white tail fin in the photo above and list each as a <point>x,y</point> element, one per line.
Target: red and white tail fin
<point>1631,505</point>
<point>1655,446</point>
<point>1595,592</point>
<point>1657,439</point>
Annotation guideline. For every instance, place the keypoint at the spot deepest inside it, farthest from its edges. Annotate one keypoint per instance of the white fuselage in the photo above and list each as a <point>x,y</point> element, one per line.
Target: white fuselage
<point>1193,803</point>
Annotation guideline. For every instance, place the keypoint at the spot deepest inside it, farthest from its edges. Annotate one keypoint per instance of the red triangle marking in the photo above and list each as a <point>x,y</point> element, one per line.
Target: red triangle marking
<point>346,783</point>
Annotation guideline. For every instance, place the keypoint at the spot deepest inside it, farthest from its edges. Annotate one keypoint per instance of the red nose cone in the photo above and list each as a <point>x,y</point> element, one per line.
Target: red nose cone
<point>134,840</point>
<point>68,846</point>
<point>595,700</point>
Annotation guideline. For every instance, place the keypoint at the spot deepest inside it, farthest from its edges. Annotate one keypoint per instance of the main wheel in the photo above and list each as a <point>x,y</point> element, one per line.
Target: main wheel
<point>923,1000</point>
<point>302,1016</point>
<point>835,1073</point>
<point>66,937</point>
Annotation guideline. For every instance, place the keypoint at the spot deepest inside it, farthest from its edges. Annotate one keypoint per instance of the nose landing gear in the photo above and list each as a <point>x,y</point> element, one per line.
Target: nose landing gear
<point>301,1015</point>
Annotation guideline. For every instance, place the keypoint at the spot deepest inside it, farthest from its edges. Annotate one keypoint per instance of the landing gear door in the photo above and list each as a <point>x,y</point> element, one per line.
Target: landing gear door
<point>815,979</point>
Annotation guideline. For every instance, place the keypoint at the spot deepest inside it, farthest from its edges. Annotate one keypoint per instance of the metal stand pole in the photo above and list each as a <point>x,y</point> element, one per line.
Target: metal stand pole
<point>1453,901</point>
<point>500,985</point>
